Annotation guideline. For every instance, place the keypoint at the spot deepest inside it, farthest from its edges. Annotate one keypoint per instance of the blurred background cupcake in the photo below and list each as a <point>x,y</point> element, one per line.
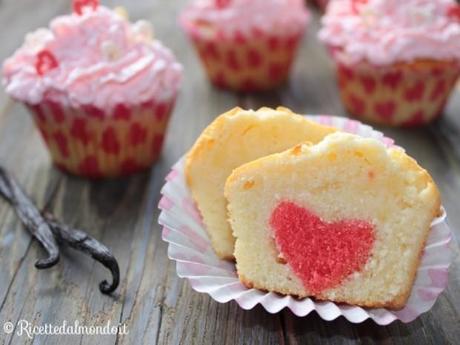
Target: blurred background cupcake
<point>100,90</point>
<point>246,45</point>
<point>397,61</point>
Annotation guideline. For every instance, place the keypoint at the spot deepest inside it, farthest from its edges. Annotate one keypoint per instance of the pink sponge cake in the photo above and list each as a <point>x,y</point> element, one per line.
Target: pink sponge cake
<point>344,246</point>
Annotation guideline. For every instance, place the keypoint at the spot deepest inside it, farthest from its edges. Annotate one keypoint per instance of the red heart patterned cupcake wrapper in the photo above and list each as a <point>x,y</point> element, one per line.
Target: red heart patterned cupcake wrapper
<point>190,247</point>
<point>400,95</point>
<point>246,62</point>
<point>94,143</point>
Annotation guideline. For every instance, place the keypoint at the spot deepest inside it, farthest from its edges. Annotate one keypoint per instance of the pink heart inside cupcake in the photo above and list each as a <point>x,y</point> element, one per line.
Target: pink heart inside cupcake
<point>321,254</point>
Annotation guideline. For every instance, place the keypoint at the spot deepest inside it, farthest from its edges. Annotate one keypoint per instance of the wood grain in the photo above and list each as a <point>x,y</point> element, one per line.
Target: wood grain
<point>157,306</point>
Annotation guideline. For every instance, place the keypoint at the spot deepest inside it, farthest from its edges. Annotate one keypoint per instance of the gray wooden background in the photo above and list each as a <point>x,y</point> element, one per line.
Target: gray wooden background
<point>153,302</point>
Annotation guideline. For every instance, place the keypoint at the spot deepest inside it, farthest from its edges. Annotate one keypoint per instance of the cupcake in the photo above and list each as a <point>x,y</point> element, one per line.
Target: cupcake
<point>246,45</point>
<point>100,90</point>
<point>397,61</point>
<point>344,220</point>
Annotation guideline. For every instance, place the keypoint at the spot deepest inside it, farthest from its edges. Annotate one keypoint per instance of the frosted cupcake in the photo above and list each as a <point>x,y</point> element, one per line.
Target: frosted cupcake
<point>100,89</point>
<point>397,61</point>
<point>246,45</point>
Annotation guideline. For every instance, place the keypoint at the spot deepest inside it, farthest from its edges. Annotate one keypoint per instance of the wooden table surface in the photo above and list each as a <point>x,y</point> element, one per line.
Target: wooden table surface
<point>152,301</point>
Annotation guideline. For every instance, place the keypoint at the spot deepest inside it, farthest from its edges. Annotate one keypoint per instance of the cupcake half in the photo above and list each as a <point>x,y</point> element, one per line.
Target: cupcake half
<point>397,61</point>
<point>344,220</point>
<point>246,45</point>
<point>100,90</point>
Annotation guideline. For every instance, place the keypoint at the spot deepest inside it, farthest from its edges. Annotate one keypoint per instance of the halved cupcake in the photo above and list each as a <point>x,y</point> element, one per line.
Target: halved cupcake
<point>344,220</point>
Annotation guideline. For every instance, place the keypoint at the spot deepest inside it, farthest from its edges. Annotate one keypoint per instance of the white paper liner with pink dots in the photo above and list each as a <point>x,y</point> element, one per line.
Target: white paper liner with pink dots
<point>190,247</point>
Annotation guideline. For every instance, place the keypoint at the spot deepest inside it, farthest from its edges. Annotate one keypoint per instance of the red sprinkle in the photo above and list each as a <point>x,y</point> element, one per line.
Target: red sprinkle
<point>46,62</point>
<point>79,5</point>
<point>355,4</point>
<point>222,3</point>
<point>454,12</point>
<point>321,254</point>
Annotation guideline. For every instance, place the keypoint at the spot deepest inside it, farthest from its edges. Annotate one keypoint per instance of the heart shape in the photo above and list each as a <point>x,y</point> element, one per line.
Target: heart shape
<point>415,93</point>
<point>321,254</point>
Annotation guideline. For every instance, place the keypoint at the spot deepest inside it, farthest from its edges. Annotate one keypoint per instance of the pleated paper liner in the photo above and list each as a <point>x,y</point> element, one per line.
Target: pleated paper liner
<point>95,143</point>
<point>190,247</point>
<point>407,95</point>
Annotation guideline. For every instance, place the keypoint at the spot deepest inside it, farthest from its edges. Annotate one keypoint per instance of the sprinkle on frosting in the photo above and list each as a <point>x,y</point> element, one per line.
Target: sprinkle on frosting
<point>222,3</point>
<point>384,32</point>
<point>45,62</point>
<point>230,16</point>
<point>79,6</point>
<point>97,58</point>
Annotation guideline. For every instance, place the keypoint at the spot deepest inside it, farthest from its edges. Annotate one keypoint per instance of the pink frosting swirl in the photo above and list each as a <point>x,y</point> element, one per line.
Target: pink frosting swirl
<point>384,32</point>
<point>272,16</point>
<point>103,60</point>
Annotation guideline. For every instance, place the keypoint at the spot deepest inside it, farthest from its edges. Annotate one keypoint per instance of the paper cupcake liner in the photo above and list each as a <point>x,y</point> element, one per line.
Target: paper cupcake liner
<point>400,95</point>
<point>246,62</point>
<point>190,247</point>
<point>94,143</point>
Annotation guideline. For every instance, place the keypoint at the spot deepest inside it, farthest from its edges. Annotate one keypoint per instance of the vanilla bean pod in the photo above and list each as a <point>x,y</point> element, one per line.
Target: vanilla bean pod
<point>31,217</point>
<point>82,242</point>
<point>49,232</point>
